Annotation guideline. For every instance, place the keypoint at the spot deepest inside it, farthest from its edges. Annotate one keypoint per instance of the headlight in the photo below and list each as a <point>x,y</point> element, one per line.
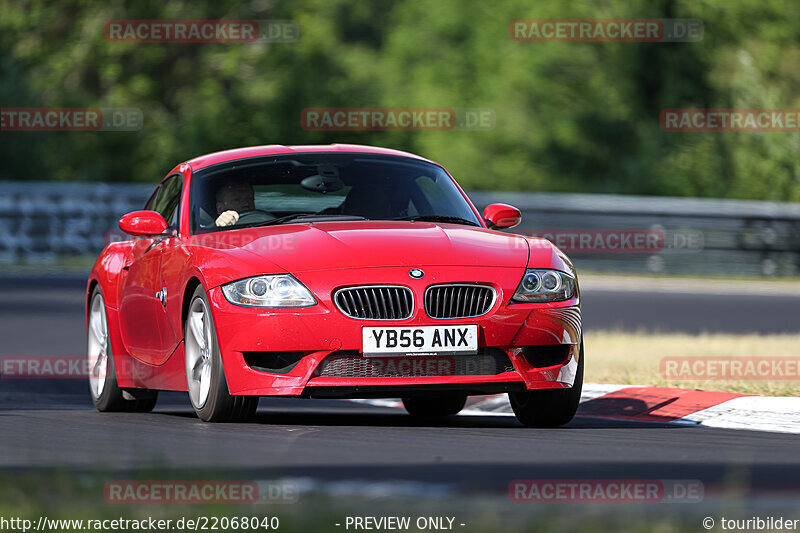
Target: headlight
<point>544,286</point>
<point>268,291</point>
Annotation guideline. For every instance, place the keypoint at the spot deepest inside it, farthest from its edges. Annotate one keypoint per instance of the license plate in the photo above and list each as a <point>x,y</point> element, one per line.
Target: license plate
<point>423,340</point>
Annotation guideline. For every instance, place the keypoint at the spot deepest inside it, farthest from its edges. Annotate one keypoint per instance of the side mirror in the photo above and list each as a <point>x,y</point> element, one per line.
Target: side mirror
<point>143,223</point>
<point>501,216</point>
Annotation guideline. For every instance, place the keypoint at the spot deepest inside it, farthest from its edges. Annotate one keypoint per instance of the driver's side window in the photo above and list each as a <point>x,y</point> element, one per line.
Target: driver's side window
<point>167,200</point>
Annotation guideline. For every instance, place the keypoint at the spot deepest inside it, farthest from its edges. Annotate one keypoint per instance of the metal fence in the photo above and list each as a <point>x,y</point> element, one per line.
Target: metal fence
<point>46,223</point>
<point>700,236</point>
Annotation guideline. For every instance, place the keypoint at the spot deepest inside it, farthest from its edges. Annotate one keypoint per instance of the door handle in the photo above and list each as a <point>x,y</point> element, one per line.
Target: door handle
<point>162,296</point>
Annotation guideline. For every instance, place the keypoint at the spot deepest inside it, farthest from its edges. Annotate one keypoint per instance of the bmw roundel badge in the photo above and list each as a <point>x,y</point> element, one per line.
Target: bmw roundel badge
<point>416,273</point>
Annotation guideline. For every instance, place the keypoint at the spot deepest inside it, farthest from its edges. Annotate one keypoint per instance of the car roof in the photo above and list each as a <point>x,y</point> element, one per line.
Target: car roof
<point>274,149</point>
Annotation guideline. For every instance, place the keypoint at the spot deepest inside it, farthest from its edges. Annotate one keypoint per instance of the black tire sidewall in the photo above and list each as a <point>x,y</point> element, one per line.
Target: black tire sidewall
<point>435,405</point>
<point>112,394</point>
<point>215,396</point>
<point>220,406</point>
<point>111,399</point>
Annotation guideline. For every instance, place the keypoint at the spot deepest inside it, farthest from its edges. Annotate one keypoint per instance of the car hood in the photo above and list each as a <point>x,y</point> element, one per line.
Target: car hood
<point>365,244</point>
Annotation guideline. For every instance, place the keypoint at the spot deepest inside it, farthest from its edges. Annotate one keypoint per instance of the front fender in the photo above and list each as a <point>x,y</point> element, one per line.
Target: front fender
<point>215,267</point>
<point>544,254</point>
<point>106,272</point>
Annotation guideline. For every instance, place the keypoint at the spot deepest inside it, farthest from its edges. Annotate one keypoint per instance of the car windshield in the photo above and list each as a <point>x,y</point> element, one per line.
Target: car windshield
<point>317,187</point>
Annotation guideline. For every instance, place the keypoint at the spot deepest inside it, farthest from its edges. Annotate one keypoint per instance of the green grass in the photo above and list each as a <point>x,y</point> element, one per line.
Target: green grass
<point>635,358</point>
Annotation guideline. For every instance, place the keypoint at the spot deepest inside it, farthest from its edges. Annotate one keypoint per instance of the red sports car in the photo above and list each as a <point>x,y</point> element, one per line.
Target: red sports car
<point>336,271</point>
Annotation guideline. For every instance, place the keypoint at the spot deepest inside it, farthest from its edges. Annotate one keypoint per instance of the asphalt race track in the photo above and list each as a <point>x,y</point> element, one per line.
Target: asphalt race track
<point>47,424</point>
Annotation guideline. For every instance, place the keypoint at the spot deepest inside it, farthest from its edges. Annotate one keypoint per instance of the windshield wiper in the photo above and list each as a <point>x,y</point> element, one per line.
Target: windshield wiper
<point>303,217</point>
<point>440,218</point>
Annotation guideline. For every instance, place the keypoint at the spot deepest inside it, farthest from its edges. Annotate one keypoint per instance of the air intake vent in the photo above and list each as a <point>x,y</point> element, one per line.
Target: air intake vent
<point>375,302</point>
<point>458,300</point>
<point>350,364</point>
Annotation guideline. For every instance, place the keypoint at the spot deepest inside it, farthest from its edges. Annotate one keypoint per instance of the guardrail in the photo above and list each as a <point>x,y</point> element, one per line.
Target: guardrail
<point>700,236</point>
<point>46,223</point>
<point>42,222</point>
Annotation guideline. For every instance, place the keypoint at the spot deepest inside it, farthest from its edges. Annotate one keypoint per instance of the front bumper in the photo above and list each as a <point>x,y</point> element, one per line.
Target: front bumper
<point>315,333</point>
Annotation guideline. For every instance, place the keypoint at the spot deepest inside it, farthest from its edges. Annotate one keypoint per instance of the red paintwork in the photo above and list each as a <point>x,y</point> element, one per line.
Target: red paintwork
<point>143,223</point>
<point>147,338</point>
<point>257,151</point>
<point>502,215</point>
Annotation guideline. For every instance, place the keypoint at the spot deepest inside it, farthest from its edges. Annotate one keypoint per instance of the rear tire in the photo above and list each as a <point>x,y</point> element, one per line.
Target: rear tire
<point>106,395</point>
<point>205,375</point>
<point>434,406</point>
<point>549,408</point>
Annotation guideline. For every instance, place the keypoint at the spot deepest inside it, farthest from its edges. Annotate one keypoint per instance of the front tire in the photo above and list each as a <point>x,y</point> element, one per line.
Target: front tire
<point>434,406</point>
<point>106,394</point>
<point>205,375</point>
<point>549,408</point>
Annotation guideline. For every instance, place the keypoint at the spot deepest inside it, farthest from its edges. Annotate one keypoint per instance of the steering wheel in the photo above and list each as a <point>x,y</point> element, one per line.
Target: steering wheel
<point>254,216</point>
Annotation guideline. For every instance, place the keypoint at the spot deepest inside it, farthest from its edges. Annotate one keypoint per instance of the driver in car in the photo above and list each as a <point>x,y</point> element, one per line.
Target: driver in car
<point>233,199</point>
